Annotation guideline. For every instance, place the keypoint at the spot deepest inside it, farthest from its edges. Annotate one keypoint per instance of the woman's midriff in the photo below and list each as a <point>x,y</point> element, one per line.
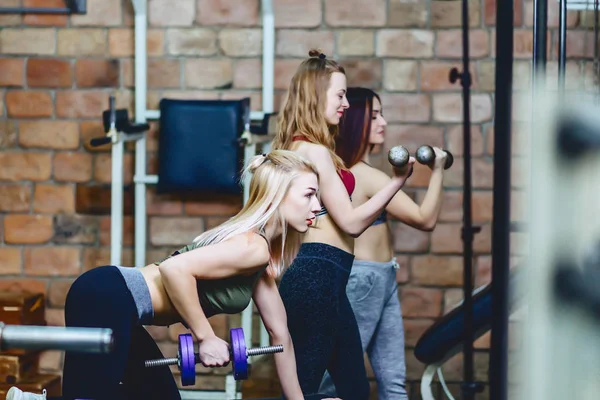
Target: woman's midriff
<point>164,312</point>
<point>326,231</point>
<point>375,244</point>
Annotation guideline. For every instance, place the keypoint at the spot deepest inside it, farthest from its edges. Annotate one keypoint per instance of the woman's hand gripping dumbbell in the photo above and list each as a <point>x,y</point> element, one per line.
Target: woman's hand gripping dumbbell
<point>187,359</point>
<point>432,156</point>
<point>402,162</point>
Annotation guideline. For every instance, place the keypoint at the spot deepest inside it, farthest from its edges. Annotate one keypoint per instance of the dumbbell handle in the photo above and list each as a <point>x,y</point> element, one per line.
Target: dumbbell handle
<point>249,353</point>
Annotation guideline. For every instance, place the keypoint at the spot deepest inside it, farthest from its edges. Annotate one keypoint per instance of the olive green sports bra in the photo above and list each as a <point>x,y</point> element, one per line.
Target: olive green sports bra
<point>223,296</point>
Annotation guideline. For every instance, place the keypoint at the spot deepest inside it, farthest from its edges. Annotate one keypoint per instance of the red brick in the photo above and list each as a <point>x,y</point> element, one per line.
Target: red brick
<point>297,43</point>
<point>100,13</point>
<point>414,329</point>
<point>57,293</point>
<point>23,285</point>
<point>421,302</point>
<point>121,42</point>
<point>8,130</point>
<point>95,256</point>
<point>81,104</point>
<point>72,167</point>
<point>448,14</point>
<point>293,14</point>
<point>446,239</point>
<point>355,13</point>
<point>366,73</point>
<point>10,260</point>
<point>11,72</point>
<point>435,76</point>
<point>82,42</point>
<point>453,368</point>
<point>408,239</point>
<point>75,229</point>
<point>51,362</point>
<point>16,166</point>
<point>49,72</point>
<point>247,74</point>
<point>406,107</point>
<point>55,316</point>
<point>452,299</point>
<point>164,73</point>
<point>284,71</point>
<point>449,43</point>
<point>227,12</point>
<point>414,369</point>
<point>97,73</point>
<point>413,136</point>
<point>29,104</point>
<point>489,13</point>
<point>128,231</point>
<point>482,244</point>
<point>482,206</point>
<point>455,140</point>
<point>437,270</point>
<point>27,229</point>
<point>45,19</point>
<point>51,198</point>
<point>216,73</point>
<point>408,14</point>
<point>52,261</point>
<point>174,231</point>
<point>405,43</point>
<point>103,168</point>
<point>15,197</point>
<point>49,134</point>
<point>162,204</point>
<point>448,108</point>
<point>36,41</point>
<point>219,205</point>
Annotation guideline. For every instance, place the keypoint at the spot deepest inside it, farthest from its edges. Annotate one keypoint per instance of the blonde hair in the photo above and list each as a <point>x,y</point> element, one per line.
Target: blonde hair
<point>303,112</point>
<point>272,175</point>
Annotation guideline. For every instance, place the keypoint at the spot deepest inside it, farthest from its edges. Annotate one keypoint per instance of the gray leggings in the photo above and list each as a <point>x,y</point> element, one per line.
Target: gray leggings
<point>373,294</point>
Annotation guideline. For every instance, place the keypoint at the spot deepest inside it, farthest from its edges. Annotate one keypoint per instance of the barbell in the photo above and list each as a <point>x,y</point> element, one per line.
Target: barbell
<point>33,337</point>
<point>187,358</point>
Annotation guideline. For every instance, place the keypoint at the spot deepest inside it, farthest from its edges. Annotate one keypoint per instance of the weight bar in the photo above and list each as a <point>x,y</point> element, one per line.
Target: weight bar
<point>426,155</point>
<point>30,337</point>
<point>187,359</point>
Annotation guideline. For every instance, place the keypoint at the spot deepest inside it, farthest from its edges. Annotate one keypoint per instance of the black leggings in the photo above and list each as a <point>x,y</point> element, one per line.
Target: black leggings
<point>321,321</point>
<point>100,298</point>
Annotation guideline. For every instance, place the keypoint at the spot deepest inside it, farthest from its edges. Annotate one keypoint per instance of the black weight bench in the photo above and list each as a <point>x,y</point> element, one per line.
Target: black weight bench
<point>444,339</point>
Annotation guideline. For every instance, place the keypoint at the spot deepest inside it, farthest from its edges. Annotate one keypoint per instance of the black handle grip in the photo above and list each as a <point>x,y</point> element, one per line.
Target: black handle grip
<point>96,142</point>
<point>113,111</point>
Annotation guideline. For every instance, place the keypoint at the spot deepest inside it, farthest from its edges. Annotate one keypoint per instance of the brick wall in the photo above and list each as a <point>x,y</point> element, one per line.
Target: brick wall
<point>56,73</point>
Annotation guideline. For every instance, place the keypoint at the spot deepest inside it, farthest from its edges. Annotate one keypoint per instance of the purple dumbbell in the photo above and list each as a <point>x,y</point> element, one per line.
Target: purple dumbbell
<point>186,357</point>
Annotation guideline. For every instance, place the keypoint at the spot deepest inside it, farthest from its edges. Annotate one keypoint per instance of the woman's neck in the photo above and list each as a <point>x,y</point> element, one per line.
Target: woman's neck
<point>365,158</point>
<point>272,231</point>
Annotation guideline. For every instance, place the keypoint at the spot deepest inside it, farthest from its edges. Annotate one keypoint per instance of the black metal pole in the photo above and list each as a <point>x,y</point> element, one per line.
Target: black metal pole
<point>562,45</point>
<point>469,386</point>
<point>540,42</point>
<point>498,364</point>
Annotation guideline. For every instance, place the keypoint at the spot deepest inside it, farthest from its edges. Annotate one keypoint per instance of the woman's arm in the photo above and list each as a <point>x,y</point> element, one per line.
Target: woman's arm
<point>231,257</point>
<point>353,221</point>
<point>272,311</point>
<point>402,207</point>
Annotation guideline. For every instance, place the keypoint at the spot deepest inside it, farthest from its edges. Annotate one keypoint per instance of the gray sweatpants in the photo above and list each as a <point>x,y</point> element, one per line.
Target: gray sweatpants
<point>373,294</point>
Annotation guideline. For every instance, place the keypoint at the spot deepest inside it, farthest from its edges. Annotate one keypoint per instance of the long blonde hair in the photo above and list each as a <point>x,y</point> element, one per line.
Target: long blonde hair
<point>304,110</point>
<point>272,175</point>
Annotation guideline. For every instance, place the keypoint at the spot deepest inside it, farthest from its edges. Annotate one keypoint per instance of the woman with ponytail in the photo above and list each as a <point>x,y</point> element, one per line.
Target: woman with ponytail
<point>218,273</point>
<point>313,289</point>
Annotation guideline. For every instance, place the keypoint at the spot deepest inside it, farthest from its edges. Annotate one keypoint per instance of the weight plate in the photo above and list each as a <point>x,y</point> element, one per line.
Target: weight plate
<point>188,361</point>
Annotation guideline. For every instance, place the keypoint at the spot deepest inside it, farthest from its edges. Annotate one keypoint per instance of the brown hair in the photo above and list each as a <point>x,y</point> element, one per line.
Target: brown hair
<point>355,129</point>
<point>303,111</point>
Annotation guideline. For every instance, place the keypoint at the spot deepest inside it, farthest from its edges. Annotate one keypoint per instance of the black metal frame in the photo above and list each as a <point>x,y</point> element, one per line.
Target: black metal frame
<point>469,387</point>
<point>71,7</point>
